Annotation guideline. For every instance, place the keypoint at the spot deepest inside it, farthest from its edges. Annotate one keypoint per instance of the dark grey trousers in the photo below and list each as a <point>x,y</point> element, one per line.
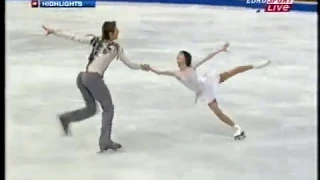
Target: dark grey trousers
<point>93,88</point>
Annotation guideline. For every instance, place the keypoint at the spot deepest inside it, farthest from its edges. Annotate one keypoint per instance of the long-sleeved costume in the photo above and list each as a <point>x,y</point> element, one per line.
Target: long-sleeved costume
<point>92,86</point>
<point>102,54</point>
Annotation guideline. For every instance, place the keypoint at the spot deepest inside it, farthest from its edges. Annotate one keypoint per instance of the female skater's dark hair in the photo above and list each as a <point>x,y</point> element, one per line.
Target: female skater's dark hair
<point>187,57</point>
<point>108,27</point>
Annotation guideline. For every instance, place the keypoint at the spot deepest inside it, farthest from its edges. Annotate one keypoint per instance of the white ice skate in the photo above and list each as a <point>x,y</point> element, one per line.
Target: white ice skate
<point>239,135</point>
<point>261,64</point>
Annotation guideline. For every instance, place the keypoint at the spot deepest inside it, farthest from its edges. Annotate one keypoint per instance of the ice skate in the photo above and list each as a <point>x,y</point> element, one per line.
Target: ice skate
<point>65,125</point>
<point>112,145</point>
<point>239,135</point>
<point>261,64</point>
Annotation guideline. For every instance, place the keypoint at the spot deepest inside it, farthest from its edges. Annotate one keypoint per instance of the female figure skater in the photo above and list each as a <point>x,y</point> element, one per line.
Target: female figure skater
<point>90,82</point>
<point>206,85</point>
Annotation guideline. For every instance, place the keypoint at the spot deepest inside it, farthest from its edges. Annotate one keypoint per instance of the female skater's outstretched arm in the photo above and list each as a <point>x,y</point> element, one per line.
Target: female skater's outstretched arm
<point>211,55</point>
<point>165,73</point>
<point>87,39</point>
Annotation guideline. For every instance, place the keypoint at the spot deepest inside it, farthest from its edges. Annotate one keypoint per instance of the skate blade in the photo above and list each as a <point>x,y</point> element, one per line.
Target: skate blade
<point>101,152</point>
<point>240,137</point>
<point>105,150</point>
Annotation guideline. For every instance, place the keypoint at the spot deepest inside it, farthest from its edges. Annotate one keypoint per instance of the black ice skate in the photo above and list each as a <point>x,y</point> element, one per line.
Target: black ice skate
<point>65,125</point>
<point>113,146</point>
<point>240,136</point>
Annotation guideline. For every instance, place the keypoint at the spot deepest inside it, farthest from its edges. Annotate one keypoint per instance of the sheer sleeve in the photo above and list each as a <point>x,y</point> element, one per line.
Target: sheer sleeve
<point>86,39</point>
<point>125,60</point>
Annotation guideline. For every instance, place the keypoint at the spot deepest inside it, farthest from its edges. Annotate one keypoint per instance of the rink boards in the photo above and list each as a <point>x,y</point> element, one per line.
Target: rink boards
<point>300,5</point>
<point>305,6</point>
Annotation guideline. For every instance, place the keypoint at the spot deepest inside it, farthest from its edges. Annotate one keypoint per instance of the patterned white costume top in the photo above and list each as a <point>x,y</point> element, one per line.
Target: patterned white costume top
<point>102,54</point>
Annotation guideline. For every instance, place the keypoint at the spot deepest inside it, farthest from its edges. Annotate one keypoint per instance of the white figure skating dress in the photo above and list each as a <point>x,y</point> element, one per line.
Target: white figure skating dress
<point>205,86</point>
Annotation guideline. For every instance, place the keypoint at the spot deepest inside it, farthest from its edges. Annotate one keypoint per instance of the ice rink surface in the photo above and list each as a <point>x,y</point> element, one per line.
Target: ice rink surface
<point>164,134</point>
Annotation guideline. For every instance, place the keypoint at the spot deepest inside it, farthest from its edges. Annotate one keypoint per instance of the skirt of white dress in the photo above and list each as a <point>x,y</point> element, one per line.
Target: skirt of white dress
<point>210,81</point>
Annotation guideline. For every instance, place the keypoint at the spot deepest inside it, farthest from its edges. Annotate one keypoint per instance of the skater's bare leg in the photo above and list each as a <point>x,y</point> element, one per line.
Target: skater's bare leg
<point>83,113</point>
<point>221,115</point>
<point>224,118</point>
<point>237,70</point>
<point>240,69</point>
<point>101,93</point>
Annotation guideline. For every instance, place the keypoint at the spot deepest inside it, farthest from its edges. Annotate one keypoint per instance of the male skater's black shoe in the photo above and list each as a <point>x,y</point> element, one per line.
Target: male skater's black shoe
<point>65,125</point>
<point>112,145</point>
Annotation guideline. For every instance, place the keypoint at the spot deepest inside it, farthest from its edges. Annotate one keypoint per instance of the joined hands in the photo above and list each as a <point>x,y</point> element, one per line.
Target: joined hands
<point>225,47</point>
<point>145,67</point>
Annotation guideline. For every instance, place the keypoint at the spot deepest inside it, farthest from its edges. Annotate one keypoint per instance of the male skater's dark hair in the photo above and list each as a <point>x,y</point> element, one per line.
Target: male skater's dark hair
<point>97,43</point>
<point>108,27</point>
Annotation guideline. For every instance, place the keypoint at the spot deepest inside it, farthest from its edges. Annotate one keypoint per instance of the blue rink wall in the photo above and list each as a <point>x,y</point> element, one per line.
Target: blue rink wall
<point>298,6</point>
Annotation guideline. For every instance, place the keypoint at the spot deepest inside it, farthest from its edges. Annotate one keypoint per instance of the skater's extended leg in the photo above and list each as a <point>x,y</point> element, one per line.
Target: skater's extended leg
<point>83,113</point>
<point>240,69</point>
<point>223,117</point>
<point>101,93</point>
